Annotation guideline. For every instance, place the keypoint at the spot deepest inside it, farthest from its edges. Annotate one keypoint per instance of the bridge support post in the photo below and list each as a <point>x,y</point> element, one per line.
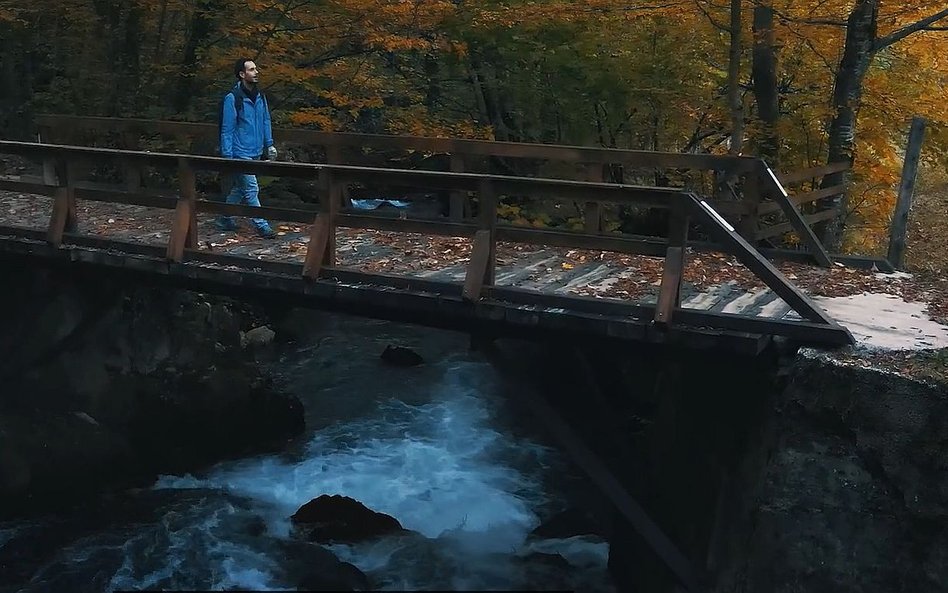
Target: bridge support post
<point>184,226</point>
<point>458,199</point>
<point>751,195</point>
<point>63,218</point>
<point>670,295</point>
<point>592,217</point>
<point>133,171</point>
<point>321,250</point>
<point>49,165</point>
<point>488,222</point>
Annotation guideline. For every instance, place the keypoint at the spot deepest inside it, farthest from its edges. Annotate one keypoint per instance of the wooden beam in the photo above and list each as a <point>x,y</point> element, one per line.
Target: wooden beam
<point>804,198</point>
<point>673,271</point>
<point>811,173</point>
<point>898,228</point>
<point>316,249</point>
<point>576,308</point>
<point>592,216</point>
<point>330,200</point>
<point>487,220</point>
<point>133,170</point>
<point>477,267</point>
<point>604,479</point>
<point>182,235</point>
<point>634,244</point>
<point>407,225</point>
<point>575,154</point>
<point>751,197</point>
<point>756,263</point>
<point>800,225</point>
<point>187,181</point>
<point>786,227</point>
<point>457,199</point>
<point>59,218</point>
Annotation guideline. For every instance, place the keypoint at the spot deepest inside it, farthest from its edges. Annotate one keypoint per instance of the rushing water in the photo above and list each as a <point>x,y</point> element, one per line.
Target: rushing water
<point>440,447</point>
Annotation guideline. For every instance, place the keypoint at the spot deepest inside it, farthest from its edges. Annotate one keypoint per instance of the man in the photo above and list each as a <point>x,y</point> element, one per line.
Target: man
<point>245,134</point>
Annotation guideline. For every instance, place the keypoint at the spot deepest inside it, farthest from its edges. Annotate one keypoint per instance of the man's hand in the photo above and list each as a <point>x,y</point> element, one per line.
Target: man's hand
<point>272,153</point>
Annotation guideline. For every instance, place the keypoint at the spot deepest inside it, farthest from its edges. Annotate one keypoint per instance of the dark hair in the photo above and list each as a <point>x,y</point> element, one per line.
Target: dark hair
<point>239,66</point>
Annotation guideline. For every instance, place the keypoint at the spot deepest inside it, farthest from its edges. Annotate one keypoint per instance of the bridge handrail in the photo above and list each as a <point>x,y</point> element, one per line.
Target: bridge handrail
<point>462,146</point>
<point>462,152</point>
<point>486,232</point>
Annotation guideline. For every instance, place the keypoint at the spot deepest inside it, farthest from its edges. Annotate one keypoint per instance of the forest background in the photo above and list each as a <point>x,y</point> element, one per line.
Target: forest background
<point>798,82</point>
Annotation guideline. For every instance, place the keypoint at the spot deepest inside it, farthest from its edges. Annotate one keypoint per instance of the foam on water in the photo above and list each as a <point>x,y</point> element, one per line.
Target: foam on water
<point>442,468</point>
<point>445,466</point>
<point>436,467</point>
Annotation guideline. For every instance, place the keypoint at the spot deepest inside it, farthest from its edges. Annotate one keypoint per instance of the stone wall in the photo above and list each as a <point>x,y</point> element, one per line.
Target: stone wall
<point>104,384</point>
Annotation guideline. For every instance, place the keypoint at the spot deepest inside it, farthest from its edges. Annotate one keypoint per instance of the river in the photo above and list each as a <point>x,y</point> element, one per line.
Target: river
<point>442,447</point>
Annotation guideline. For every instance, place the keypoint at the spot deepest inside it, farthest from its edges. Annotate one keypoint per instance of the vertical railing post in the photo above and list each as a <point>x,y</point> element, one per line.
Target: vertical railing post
<point>670,295</point>
<point>184,224</point>
<point>63,217</point>
<point>334,157</point>
<point>751,196</point>
<point>321,250</point>
<point>133,171</point>
<point>481,270</point>
<point>592,217</point>
<point>45,136</point>
<point>458,199</point>
<point>897,230</point>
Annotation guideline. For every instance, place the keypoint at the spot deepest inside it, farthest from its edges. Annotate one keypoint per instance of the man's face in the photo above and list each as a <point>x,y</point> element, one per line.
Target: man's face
<point>249,75</point>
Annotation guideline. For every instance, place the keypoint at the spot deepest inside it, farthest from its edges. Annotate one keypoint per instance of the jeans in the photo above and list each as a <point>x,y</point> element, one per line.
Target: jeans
<point>244,191</point>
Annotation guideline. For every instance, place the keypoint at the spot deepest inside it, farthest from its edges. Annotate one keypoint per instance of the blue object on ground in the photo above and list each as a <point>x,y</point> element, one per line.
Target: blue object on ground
<point>372,203</point>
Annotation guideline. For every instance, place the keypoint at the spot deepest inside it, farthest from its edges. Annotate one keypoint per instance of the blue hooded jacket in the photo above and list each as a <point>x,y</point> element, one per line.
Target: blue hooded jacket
<point>247,135</point>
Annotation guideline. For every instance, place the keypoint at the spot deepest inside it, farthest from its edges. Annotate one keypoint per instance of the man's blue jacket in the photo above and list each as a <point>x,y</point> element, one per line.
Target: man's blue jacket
<point>247,134</point>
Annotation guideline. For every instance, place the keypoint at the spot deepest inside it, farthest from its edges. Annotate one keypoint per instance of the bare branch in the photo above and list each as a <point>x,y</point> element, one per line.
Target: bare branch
<point>904,32</point>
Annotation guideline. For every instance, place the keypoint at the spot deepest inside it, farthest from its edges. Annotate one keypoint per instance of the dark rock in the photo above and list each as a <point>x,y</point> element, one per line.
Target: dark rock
<point>566,524</point>
<point>342,519</point>
<point>107,383</point>
<point>401,356</point>
<point>853,495</point>
<point>314,568</point>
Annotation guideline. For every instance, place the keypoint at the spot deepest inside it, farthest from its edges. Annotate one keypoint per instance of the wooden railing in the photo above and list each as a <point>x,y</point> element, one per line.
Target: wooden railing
<point>751,210</point>
<point>463,154</point>
<point>803,189</point>
<point>685,208</point>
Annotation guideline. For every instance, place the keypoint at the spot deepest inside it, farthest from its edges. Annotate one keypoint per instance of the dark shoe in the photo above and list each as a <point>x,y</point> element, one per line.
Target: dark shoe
<point>226,224</point>
<point>266,232</point>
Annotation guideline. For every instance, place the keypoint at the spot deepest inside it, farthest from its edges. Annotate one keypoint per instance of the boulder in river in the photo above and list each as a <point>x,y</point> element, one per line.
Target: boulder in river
<point>341,519</point>
<point>401,356</point>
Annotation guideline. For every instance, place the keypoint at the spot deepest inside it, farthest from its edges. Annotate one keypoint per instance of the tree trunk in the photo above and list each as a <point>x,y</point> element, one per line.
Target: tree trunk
<point>201,26</point>
<point>847,93</point>
<point>765,83</point>
<point>734,81</point>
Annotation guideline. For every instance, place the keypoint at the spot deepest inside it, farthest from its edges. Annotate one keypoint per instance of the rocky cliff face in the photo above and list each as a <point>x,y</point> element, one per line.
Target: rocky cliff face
<point>854,494</point>
<point>102,384</point>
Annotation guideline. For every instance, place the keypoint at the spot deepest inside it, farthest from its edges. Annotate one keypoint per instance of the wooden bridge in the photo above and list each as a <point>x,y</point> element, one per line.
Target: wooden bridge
<point>497,279</point>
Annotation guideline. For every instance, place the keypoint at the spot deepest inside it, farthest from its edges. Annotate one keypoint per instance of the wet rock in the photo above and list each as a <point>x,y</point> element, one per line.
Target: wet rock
<point>107,383</point>
<point>401,356</point>
<point>257,337</point>
<point>341,519</point>
<point>853,495</point>
<point>566,524</point>
<point>314,568</point>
